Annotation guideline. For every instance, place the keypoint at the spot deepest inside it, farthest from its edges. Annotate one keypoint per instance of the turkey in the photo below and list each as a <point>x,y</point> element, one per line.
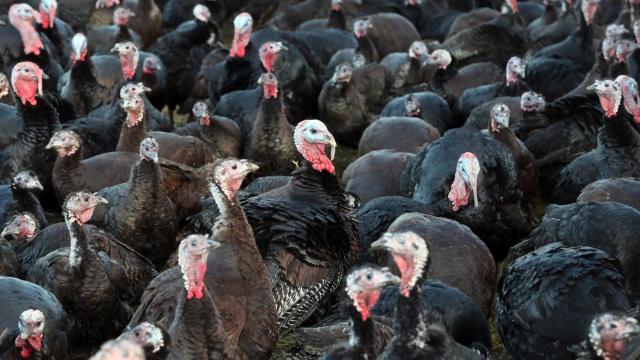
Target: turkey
<point>198,327</point>
<point>351,100</point>
<point>221,134</point>
<point>39,120</point>
<point>249,316</point>
<point>473,179</point>
<point>270,143</point>
<point>414,336</point>
<point>362,288</point>
<point>547,299</point>
<point>101,39</point>
<point>186,150</point>
<point>283,223</point>
<point>20,197</point>
<point>127,216</point>
<point>88,283</point>
<point>617,149</point>
<point>33,321</point>
<point>587,224</point>
<point>615,336</point>
<point>527,170</point>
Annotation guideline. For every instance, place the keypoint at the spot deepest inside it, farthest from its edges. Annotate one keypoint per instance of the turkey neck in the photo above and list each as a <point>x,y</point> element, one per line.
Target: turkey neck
<point>362,332</point>
<point>270,127</point>
<point>336,20</point>
<point>367,49</point>
<point>40,122</point>
<point>618,133</point>
<point>67,168</point>
<point>323,185</point>
<point>145,186</point>
<point>507,137</point>
<point>78,246</point>
<point>123,34</point>
<point>550,14</point>
<point>85,81</point>
<point>26,199</point>
<point>409,321</point>
<point>131,137</point>
<point>197,331</point>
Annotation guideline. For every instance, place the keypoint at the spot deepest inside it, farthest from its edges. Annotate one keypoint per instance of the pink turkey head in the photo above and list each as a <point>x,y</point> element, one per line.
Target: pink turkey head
<point>121,16</point>
<point>201,111</point>
<point>410,253</point>
<point>364,286</point>
<point>440,58</point>
<point>20,226</point>
<point>609,334</point>
<point>589,9</point>
<point>630,97</point>
<point>151,65</point>
<point>269,84</point>
<point>129,56</point>
<point>192,258</point>
<point>269,53</point>
<point>515,68</point>
<point>79,206</point>
<point>26,78</point>
<point>201,13</point>
<point>48,10</point>
<point>147,335</point>
<point>610,95</point>
<point>228,175</point>
<point>242,25</point>
<point>65,142</point>
<point>500,114</point>
<point>31,327</point>
<point>22,16</point>
<point>418,50</point>
<point>311,137</point>
<point>465,181</point>
<point>361,27</point>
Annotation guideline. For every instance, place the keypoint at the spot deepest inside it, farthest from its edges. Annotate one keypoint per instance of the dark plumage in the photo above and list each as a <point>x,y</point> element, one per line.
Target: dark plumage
<point>89,284</point>
<point>249,320</point>
<point>622,190</point>
<point>498,219</point>
<point>19,197</point>
<point>127,216</point>
<point>590,224</point>
<point>547,299</point>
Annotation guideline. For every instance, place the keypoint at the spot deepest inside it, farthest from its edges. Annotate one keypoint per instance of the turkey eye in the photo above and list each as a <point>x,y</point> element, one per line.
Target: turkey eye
<point>369,276</point>
<point>234,167</point>
<point>606,85</point>
<point>313,131</point>
<point>614,326</point>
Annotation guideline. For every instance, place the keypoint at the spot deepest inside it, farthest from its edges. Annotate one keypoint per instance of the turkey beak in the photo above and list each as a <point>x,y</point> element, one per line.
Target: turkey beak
<point>99,199</point>
<point>382,244</point>
<point>327,139</point>
<point>9,229</point>
<point>592,87</point>
<point>52,143</point>
<point>115,48</point>
<point>35,184</point>
<point>212,244</point>
<point>472,183</point>
<point>390,279</point>
<point>251,167</point>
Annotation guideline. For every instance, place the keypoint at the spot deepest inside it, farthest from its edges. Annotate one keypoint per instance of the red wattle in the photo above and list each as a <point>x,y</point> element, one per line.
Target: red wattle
<point>26,91</point>
<point>458,195</point>
<point>128,70</point>
<point>205,120</point>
